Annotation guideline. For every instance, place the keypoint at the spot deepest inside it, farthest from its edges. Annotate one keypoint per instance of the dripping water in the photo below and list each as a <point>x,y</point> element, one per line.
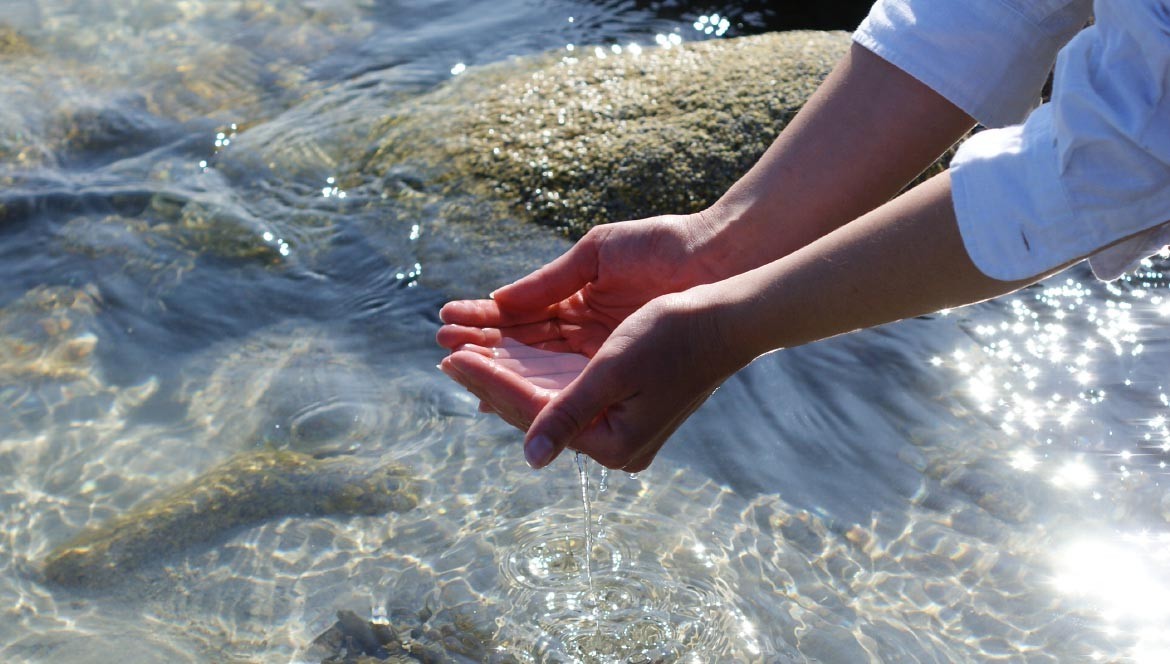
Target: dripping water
<point>583,473</point>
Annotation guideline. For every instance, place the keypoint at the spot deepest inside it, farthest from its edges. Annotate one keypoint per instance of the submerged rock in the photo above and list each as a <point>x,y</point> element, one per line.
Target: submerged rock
<point>49,371</point>
<point>248,488</point>
<point>13,43</point>
<point>46,335</point>
<point>353,639</point>
<point>574,139</point>
<point>294,387</point>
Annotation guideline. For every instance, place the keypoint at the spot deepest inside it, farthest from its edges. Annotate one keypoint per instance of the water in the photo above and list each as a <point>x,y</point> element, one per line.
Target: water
<point>587,514</point>
<point>194,267</point>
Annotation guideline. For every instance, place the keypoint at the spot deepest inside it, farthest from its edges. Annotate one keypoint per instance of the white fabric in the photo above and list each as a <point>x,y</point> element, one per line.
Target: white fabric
<point>1087,173</point>
<point>988,57</point>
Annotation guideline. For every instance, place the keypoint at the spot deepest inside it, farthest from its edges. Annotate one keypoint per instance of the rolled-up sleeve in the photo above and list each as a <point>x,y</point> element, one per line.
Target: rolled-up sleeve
<point>988,57</point>
<point>1088,172</point>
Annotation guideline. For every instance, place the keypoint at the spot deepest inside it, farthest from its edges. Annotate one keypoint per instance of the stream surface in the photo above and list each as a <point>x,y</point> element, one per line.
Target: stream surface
<point>983,484</point>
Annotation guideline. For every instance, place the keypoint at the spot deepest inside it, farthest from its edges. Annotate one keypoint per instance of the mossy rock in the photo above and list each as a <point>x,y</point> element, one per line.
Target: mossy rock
<point>573,139</point>
<point>247,489</point>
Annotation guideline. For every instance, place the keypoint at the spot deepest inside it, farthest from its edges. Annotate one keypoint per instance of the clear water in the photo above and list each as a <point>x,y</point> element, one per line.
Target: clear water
<point>988,484</point>
<point>587,522</point>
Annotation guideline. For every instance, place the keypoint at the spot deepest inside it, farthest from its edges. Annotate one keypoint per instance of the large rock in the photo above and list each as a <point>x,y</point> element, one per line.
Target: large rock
<point>576,138</point>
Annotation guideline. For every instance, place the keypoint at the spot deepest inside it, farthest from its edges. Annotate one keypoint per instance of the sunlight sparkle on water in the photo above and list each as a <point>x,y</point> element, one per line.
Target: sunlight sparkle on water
<point>281,245</point>
<point>1053,373</point>
<point>666,41</point>
<point>331,190</point>
<point>1075,474</point>
<point>1024,460</point>
<point>712,25</point>
<point>1125,578</point>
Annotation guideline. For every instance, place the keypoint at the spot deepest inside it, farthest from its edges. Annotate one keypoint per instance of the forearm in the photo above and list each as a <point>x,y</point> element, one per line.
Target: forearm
<point>868,131</point>
<point>906,258</point>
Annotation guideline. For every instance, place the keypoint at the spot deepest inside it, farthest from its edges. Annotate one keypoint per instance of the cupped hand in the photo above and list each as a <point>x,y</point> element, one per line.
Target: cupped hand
<point>511,379</point>
<point>576,301</point>
<point>659,365</point>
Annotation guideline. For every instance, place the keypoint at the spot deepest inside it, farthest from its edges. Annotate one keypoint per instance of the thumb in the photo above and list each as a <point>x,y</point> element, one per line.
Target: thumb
<point>568,414</point>
<point>560,278</point>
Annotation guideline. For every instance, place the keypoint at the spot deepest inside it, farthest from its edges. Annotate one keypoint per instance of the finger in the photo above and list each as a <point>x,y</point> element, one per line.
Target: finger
<point>526,334</point>
<point>475,313</point>
<point>555,281</point>
<point>476,389</point>
<point>475,348</point>
<point>570,412</point>
<point>488,313</point>
<point>633,431</point>
<point>453,336</point>
<point>513,398</point>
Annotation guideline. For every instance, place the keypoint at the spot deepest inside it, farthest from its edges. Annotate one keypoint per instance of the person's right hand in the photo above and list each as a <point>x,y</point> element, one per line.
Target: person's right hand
<point>576,301</point>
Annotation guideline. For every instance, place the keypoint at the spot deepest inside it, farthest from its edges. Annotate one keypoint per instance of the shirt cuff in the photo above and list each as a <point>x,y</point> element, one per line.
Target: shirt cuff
<point>1013,215</point>
<point>1088,173</point>
<point>989,58</point>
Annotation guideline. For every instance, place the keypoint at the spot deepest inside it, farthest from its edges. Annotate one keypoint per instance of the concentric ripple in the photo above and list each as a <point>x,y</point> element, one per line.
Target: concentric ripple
<point>651,599</point>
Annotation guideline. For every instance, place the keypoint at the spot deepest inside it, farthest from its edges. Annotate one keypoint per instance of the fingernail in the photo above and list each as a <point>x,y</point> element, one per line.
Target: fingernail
<point>451,372</point>
<point>538,452</point>
<point>492,295</point>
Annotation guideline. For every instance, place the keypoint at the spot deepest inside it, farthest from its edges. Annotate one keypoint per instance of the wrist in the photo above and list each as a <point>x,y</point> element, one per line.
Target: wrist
<point>728,239</point>
<point>717,321</point>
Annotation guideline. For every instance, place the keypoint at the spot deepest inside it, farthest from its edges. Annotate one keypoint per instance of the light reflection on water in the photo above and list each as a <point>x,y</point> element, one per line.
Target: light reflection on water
<point>194,268</point>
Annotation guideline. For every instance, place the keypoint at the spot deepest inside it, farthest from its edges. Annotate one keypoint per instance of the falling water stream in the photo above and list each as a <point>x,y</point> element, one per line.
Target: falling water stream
<point>587,508</point>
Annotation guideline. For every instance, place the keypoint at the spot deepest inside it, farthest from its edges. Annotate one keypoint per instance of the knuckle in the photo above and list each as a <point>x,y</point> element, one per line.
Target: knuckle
<point>568,418</point>
<point>593,237</point>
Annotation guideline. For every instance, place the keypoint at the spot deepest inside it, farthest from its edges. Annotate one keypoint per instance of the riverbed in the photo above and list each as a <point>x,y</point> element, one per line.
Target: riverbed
<point>193,267</point>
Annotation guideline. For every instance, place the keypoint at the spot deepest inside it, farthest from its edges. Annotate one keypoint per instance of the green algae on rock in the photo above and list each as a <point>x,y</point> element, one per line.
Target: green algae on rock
<point>246,489</point>
<point>578,138</point>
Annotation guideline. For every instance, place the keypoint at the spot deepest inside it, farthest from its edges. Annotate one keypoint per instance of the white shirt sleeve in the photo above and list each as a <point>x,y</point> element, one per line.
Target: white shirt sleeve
<point>1087,171</point>
<point>988,57</point>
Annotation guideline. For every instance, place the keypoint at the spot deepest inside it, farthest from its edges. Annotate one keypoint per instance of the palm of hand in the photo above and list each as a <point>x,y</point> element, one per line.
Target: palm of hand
<point>513,380</point>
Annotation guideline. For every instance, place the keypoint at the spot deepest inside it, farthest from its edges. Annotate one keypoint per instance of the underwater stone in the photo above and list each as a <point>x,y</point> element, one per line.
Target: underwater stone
<point>46,335</point>
<point>13,43</point>
<point>293,387</point>
<point>353,639</point>
<point>571,140</point>
<point>247,489</point>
